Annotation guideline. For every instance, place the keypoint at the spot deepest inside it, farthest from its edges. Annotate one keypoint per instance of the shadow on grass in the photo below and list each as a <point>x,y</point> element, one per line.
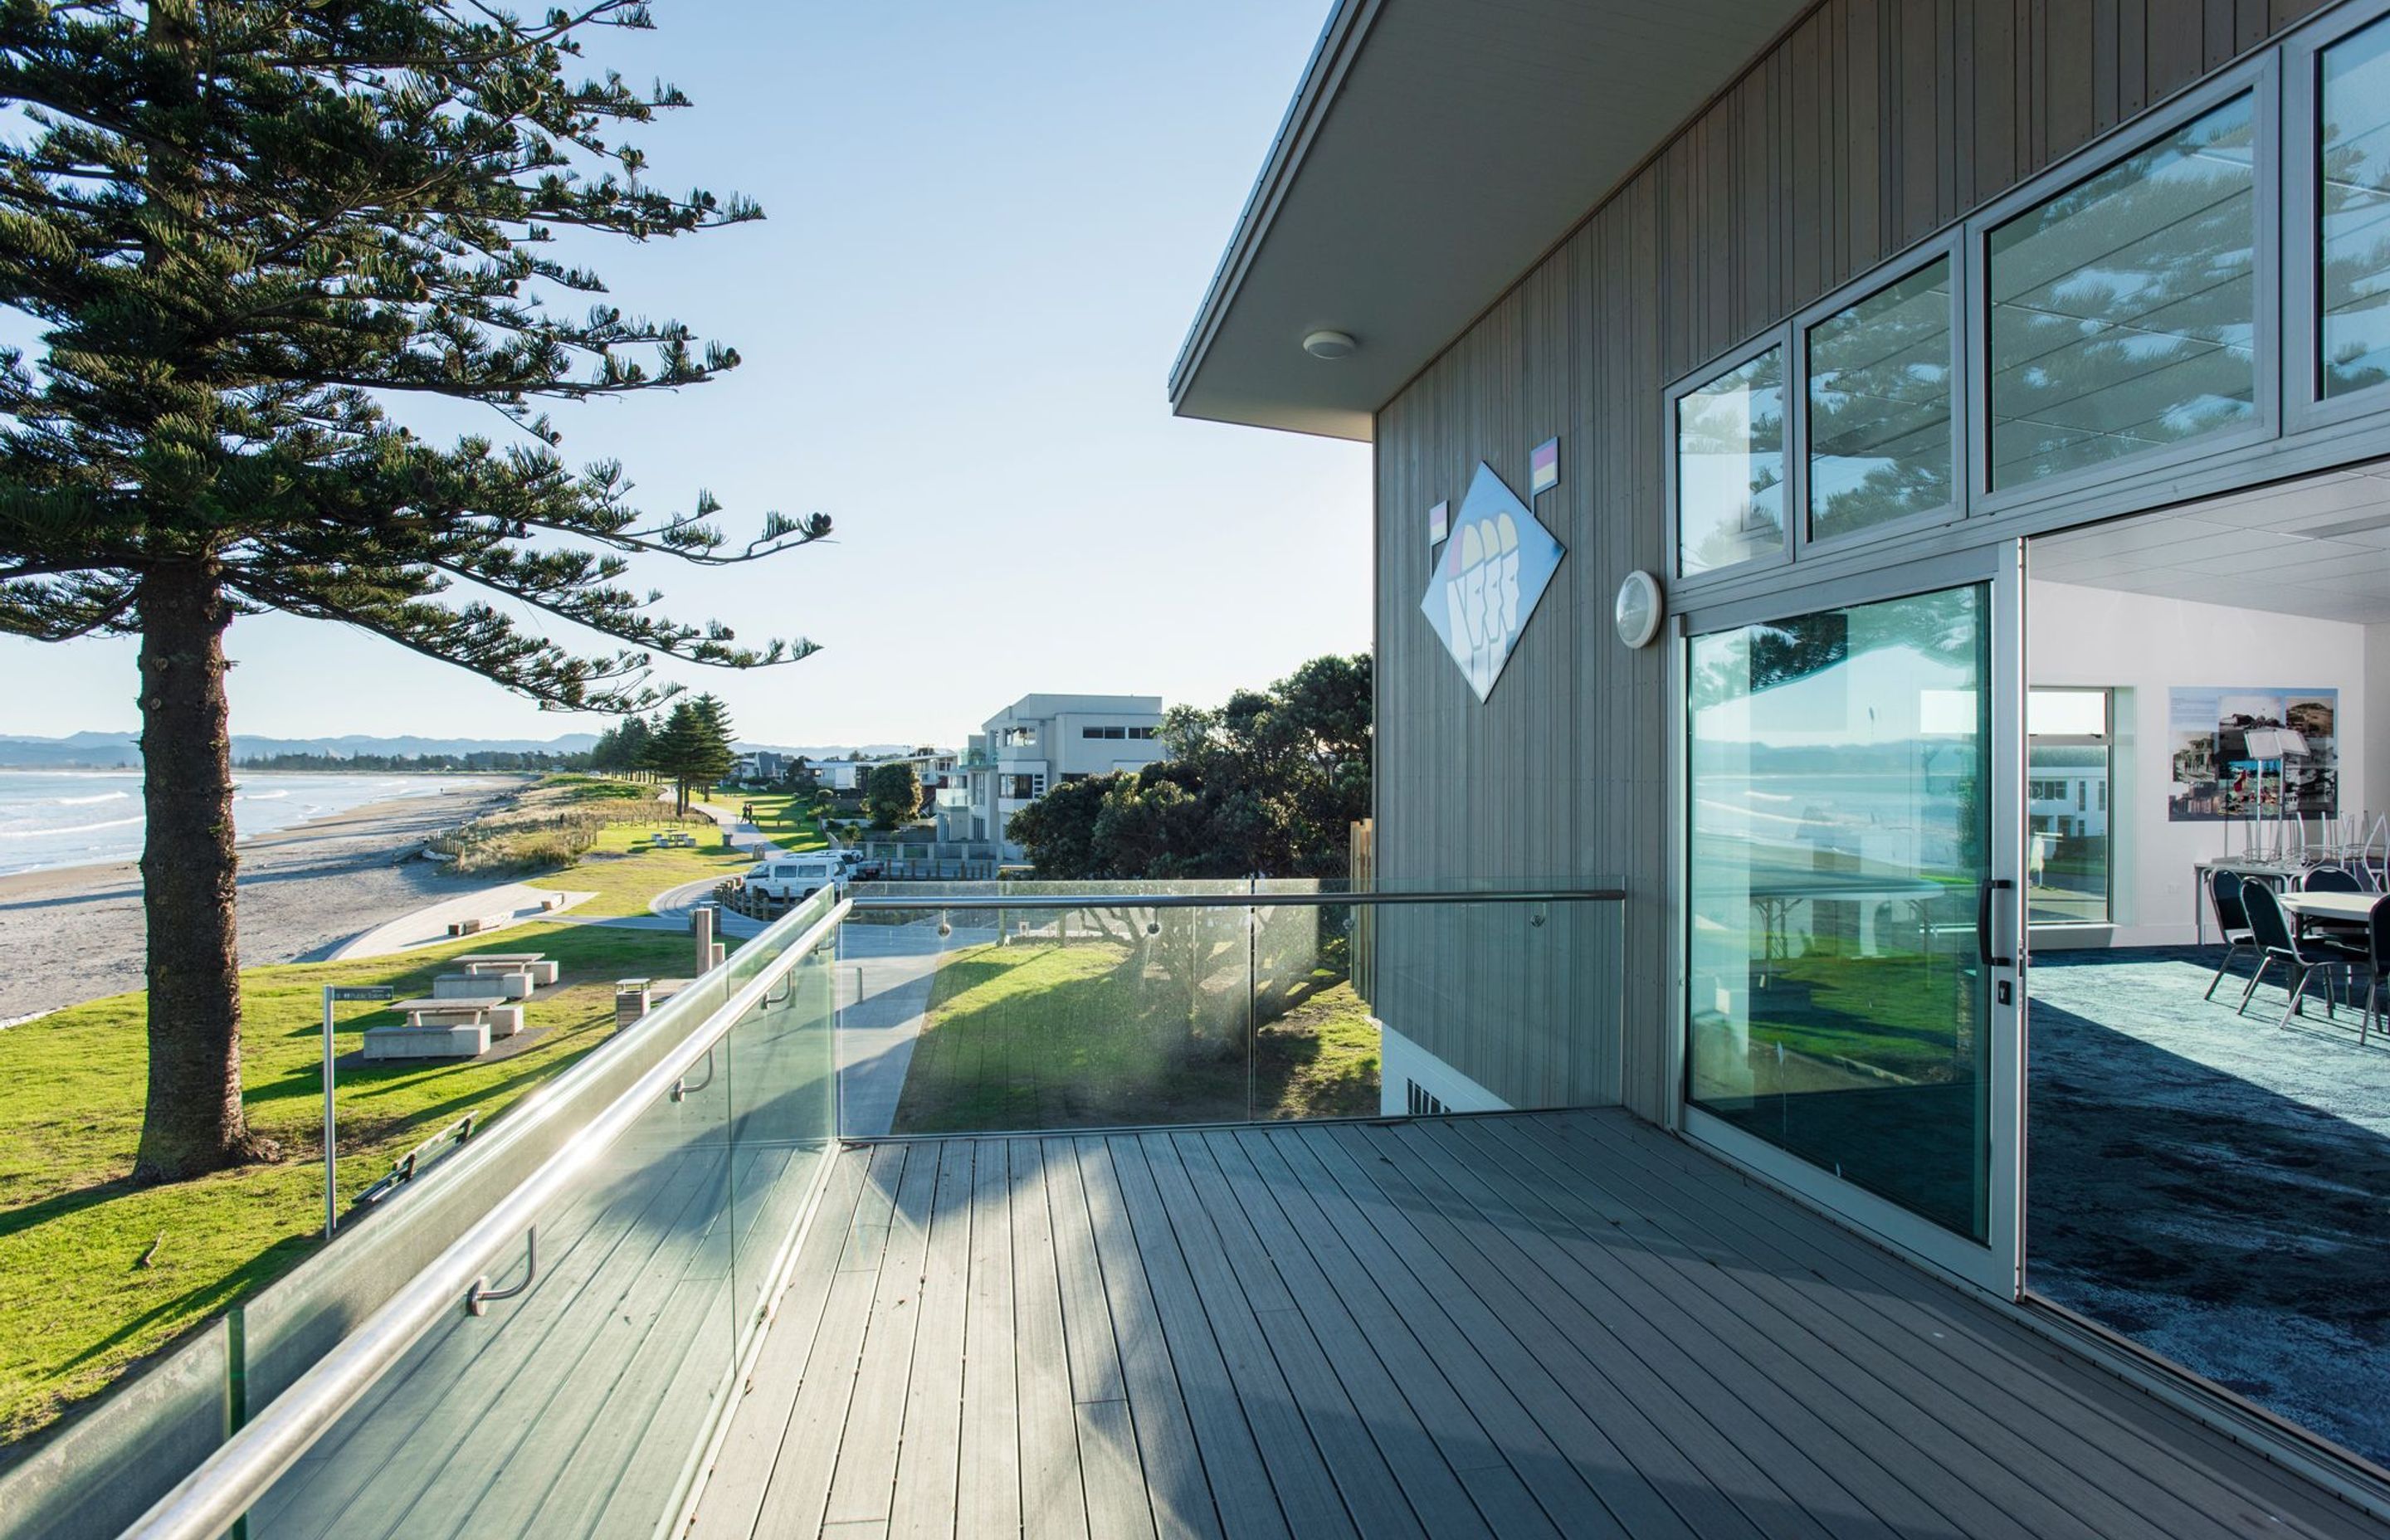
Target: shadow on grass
<point>1093,1035</point>
<point>60,1205</point>
<point>202,1301</point>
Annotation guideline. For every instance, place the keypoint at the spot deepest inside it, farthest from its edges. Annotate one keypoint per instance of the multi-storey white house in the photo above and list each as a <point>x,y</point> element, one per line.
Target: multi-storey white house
<point>1043,741</point>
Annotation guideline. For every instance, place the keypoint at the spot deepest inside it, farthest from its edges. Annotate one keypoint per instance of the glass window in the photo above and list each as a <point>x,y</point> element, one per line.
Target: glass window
<point>1731,466</point>
<point>2355,199</point>
<point>1880,443</point>
<point>2121,310</point>
<point>2069,758</point>
<point>1837,840</point>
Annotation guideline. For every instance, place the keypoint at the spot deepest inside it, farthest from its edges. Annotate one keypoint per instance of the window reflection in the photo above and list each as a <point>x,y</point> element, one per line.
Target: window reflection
<point>2068,777</point>
<point>2356,205</point>
<point>1837,837</point>
<point>1731,466</point>
<point>1880,406</point>
<point>2121,310</point>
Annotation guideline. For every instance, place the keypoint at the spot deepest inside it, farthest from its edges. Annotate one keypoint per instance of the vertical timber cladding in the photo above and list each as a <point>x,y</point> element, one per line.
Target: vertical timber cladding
<point>1867,127</point>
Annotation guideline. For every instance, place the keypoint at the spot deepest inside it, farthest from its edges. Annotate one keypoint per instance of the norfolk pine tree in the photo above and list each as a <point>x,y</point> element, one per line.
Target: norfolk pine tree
<point>244,229</point>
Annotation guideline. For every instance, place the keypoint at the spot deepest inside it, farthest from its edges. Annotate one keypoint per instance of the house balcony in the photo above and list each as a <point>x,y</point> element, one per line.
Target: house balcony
<point>1041,1210</point>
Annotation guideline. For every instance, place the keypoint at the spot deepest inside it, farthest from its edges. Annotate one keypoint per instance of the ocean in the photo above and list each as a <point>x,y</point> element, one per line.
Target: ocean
<point>80,818</point>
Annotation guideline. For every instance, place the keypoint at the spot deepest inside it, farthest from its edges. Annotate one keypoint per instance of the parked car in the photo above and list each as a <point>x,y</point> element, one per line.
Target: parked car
<point>795,878</point>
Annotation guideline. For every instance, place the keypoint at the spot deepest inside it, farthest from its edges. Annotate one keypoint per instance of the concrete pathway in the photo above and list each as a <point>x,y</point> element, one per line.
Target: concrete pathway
<point>884,978</point>
<point>674,904</point>
<point>743,835</point>
<point>519,902</point>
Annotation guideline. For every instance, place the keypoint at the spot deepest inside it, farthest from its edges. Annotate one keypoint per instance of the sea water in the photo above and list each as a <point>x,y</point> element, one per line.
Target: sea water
<point>79,818</point>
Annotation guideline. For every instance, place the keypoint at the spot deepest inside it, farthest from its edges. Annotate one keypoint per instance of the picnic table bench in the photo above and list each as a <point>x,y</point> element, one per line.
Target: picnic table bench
<point>537,964</point>
<point>445,1027</point>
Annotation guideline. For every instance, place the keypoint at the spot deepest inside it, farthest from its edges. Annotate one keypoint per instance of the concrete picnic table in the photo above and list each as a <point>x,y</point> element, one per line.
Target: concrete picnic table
<point>536,964</point>
<point>443,1027</point>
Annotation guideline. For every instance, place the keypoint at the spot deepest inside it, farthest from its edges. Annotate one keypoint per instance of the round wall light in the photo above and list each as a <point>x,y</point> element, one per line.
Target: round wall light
<point>1330,344</point>
<point>1638,609</point>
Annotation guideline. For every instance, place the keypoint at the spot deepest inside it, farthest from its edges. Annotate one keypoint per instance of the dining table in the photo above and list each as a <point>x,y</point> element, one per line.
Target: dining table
<point>2331,908</point>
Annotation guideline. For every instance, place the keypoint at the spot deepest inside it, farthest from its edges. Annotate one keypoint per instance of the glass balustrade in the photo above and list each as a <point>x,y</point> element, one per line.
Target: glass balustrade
<point>541,1334</point>
<point>1029,1006</point>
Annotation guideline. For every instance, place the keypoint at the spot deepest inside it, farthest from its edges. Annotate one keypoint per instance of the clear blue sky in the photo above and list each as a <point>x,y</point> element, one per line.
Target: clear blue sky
<point>989,226</point>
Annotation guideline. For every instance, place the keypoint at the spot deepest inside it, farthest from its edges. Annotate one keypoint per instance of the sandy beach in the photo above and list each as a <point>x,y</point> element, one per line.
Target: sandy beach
<point>75,933</point>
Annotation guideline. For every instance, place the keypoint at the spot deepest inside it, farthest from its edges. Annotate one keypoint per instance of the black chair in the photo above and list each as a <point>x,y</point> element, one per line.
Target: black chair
<point>2336,879</point>
<point>2224,891</point>
<point>2377,963</point>
<point>2270,929</point>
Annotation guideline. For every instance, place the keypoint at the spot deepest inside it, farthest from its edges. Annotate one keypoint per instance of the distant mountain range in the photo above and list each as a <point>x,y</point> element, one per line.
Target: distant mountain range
<point>110,751</point>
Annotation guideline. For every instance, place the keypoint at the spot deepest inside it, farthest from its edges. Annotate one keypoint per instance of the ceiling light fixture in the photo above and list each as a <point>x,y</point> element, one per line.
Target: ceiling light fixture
<point>1330,344</point>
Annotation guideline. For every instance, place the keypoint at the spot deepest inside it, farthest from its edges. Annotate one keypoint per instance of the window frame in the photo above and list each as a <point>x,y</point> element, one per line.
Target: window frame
<point>2305,406</point>
<point>1907,264</point>
<point>1780,335</point>
<point>2257,78</point>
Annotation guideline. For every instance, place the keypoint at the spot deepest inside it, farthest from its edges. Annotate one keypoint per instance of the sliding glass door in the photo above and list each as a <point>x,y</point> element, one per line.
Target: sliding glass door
<point>1850,921</point>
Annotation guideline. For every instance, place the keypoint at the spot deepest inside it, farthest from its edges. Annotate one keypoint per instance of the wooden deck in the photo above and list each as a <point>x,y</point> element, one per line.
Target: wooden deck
<point>1532,1324</point>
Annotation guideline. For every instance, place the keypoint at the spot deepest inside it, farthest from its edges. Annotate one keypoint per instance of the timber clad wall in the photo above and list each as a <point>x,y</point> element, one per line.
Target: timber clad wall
<point>1871,125</point>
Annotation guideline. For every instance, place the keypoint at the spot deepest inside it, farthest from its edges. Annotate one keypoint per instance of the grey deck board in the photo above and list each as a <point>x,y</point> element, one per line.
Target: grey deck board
<point>1779,1375</point>
<point>988,1456</point>
<point>1418,1462</point>
<point>2003,1469</point>
<point>1053,1498</point>
<point>1524,1267</point>
<point>2189,1481</point>
<point>1690,1382</point>
<point>929,1456</point>
<point>744,1465</point>
<point>1243,1399</point>
<point>1348,1434</point>
<point>865,1477</point>
<point>1181,1475</point>
<point>1515,1436</point>
<point>805,1457</point>
<point>1522,1349</point>
<point>1523,1326</point>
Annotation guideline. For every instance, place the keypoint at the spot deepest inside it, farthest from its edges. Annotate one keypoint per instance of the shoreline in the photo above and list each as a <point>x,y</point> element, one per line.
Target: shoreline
<point>72,935</point>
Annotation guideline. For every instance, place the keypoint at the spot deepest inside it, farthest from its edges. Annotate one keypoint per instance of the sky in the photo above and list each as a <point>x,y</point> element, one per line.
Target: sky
<point>987,230</point>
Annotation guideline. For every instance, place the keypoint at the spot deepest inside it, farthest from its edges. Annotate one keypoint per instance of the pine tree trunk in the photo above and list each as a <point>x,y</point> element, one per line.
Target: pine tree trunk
<point>192,1122</point>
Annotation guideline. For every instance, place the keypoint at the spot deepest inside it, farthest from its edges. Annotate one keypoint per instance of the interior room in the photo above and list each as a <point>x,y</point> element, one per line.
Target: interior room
<point>2208,1163</point>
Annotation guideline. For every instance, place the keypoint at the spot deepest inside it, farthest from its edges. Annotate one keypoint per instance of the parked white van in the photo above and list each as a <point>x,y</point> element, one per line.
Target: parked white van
<point>795,877</point>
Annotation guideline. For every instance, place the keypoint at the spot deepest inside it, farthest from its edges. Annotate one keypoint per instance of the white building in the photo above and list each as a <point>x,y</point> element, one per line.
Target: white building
<point>935,767</point>
<point>1042,740</point>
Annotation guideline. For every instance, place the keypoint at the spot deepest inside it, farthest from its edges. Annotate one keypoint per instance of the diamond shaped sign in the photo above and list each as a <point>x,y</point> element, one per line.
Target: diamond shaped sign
<point>1495,567</point>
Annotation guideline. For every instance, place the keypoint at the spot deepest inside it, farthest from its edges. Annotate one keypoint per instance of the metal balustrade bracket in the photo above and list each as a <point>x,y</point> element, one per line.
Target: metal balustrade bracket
<point>479,1298</point>
<point>682,1087</point>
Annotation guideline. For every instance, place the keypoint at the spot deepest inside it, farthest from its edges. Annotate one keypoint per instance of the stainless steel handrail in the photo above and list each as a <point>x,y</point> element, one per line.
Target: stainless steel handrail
<point>1224,900</point>
<point>210,1499</point>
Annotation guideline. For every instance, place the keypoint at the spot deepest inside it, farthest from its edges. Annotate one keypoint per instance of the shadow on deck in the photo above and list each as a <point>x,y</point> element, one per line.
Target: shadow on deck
<point>1521,1324</point>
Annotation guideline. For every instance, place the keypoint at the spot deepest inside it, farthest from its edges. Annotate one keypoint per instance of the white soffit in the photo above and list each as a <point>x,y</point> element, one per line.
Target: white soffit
<point>2318,547</point>
<point>1435,150</point>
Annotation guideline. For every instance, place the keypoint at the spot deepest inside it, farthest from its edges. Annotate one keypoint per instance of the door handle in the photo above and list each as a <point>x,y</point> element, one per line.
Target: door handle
<point>1984,891</point>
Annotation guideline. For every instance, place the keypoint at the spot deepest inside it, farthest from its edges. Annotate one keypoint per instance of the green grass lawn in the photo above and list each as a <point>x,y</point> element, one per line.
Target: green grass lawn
<point>626,873</point>
<point>785,818</point>
<point>78,1304</point>
<point>1038,1035</point>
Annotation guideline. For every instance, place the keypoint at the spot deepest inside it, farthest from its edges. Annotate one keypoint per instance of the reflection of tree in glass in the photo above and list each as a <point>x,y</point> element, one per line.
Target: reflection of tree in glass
<point>2122,309</point>
<point>1946,626</point>
<point>2356,205</point>
<point>1880,406</point>
<point>1737,420</point>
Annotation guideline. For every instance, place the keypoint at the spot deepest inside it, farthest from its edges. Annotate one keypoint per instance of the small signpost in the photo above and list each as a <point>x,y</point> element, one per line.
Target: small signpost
<point>331,1147</point>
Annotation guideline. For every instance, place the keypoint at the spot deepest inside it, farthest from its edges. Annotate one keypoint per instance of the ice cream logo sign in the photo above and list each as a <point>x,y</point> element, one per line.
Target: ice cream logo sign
<point>1495,565</point>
